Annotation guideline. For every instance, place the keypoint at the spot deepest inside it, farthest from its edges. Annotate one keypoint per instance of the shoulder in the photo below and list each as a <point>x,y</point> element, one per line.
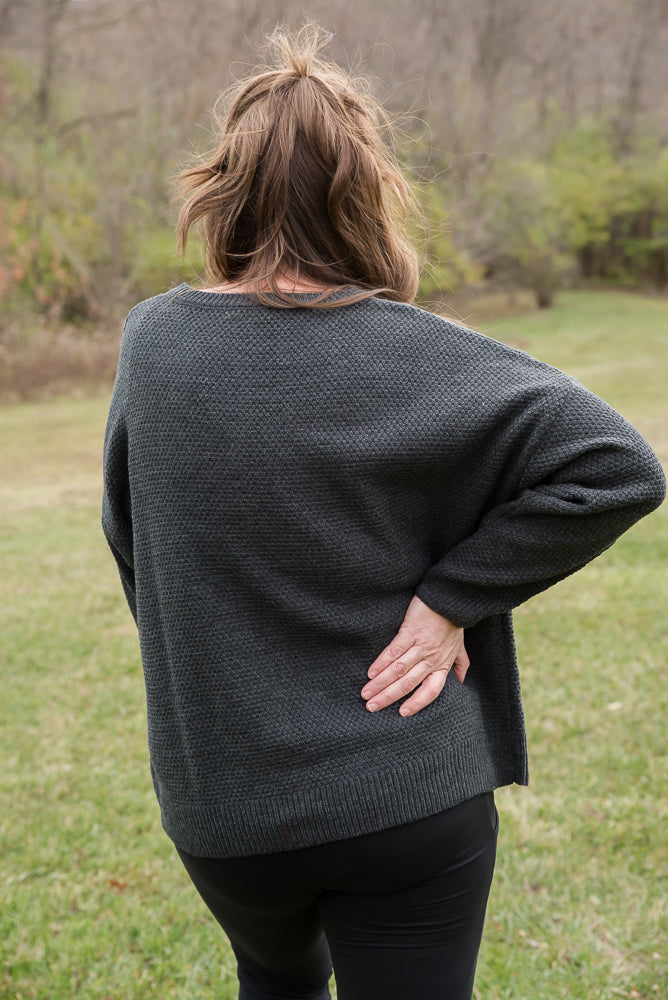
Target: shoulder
<point>152,308</point>
<point>445,334</point>
<point>461,351</point>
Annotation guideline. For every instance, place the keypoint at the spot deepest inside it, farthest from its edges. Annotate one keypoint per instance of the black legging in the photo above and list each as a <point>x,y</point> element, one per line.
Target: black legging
<point>399,913</point>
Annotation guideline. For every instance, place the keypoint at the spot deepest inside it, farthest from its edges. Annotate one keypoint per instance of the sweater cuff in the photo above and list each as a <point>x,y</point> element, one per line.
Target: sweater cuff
<point>453,604</point>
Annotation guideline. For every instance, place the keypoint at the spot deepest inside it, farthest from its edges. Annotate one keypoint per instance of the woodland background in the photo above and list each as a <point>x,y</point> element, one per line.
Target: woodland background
<point>536,131</point>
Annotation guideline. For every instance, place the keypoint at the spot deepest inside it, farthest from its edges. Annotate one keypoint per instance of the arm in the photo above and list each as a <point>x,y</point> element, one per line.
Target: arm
<point>588,478</point>
<point>116,507</point>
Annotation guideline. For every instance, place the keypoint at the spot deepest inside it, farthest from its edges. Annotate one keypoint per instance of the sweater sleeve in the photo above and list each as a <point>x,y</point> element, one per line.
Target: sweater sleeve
<point>116,508</point>
<point>588,477</point>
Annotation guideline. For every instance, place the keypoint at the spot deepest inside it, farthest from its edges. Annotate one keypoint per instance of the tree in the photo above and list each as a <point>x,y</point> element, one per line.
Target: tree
<point>526,235</point>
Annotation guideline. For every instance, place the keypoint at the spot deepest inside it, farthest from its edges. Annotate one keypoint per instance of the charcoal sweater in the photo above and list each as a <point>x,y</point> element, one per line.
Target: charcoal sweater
<point>279,483</point>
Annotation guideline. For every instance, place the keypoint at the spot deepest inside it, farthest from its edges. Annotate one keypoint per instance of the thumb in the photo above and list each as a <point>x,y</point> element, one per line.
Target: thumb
<point>460,666</point>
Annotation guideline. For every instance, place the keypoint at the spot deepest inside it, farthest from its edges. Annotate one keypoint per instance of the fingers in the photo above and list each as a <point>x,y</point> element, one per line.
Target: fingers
<point>400,687</point>
<point>427,692</point>
<point>401,643</point>
<point>393,672</point>
<point>460,666</point>
<point>402,675</point>
<point>406,674</point>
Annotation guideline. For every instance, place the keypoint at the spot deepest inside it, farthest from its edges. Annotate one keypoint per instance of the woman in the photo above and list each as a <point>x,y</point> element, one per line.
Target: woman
<point>324,503</point>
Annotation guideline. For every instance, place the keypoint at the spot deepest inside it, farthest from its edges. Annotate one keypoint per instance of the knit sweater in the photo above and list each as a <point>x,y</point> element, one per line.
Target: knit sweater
<point>279,483</point>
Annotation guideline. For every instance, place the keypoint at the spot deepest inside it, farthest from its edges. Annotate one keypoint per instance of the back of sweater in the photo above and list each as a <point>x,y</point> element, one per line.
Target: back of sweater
<point>278,485</point>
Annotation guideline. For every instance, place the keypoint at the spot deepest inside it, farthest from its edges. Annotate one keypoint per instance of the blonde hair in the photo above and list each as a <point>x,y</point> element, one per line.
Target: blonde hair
<point>301,182</point>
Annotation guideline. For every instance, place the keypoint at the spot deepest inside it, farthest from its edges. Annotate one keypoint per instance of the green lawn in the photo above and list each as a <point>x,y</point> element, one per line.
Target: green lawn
<point>94,904</point>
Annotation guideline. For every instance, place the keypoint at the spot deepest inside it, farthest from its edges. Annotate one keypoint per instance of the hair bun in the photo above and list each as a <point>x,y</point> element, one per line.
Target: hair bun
<point>299,51</point>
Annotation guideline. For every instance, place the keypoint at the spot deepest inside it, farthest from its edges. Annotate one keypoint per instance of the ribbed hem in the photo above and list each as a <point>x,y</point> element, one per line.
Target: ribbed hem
<point>325,813</point>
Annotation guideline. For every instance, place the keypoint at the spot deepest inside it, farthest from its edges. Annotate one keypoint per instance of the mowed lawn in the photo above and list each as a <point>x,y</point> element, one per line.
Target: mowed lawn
<point>93,902</point>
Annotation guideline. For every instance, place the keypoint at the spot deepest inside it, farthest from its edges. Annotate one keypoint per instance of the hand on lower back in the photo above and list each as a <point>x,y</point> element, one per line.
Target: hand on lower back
<point>419,659</point>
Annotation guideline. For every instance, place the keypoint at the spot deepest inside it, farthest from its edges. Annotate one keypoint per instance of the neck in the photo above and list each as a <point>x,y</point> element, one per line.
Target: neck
<point>285,283</point>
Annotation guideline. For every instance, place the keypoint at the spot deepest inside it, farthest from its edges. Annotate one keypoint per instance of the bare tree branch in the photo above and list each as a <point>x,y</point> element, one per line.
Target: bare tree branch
<point>94,118</point>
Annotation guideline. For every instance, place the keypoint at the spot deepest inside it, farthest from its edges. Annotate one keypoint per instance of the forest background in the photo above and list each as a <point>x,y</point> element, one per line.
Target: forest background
<point>536,132</point>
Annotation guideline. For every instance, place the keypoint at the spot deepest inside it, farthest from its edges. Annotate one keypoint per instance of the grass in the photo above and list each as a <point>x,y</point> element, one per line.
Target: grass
<point>93,903</point>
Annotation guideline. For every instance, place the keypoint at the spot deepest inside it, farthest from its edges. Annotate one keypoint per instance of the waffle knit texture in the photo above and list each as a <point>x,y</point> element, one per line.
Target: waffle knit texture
<point>279,483</point>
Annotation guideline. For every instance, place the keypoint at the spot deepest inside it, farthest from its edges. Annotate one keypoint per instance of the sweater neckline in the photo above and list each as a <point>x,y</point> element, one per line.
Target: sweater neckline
<point>236,299</point>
